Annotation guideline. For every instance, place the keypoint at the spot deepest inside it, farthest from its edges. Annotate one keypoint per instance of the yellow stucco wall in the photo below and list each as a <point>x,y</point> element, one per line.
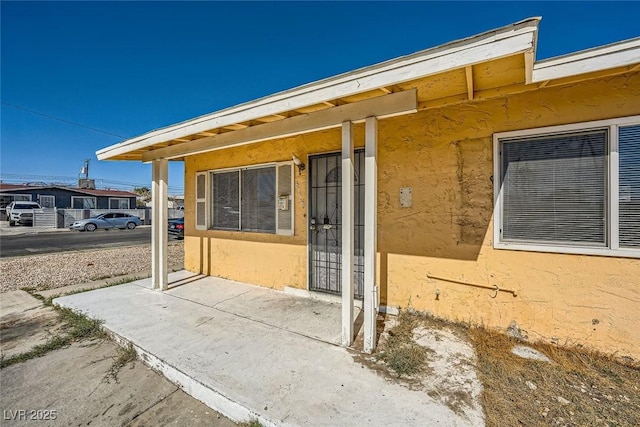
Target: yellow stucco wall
<point>445,154</point>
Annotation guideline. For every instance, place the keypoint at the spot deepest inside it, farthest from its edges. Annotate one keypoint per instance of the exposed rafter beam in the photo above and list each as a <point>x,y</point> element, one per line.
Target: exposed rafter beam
<point>385,90</point>
<point>529,59</point>
<point>330,104</point>
<point>544,83</point>
<point>382,106</point>
<point>207,133</point>
<point>469,73</point>
<point>236,126</point>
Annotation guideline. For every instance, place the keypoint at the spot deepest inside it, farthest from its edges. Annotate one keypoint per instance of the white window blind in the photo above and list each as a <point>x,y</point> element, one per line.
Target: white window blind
<point>629,186</point>
<point>554,189</point>
<point>571,188</point>
<point>201,201</point>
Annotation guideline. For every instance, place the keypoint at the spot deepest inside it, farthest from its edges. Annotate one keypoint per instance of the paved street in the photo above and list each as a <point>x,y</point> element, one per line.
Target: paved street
<point>60,241</point>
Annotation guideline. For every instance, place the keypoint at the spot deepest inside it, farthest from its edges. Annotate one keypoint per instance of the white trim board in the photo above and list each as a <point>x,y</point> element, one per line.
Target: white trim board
<point>510,40</point>
<point>382,106</point>
<point>335,299</point>
<point>614,55</point>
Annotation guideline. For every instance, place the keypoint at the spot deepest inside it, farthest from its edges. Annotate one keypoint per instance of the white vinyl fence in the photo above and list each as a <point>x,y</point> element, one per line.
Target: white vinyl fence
<point>47,217</point>
<point>63,218</point>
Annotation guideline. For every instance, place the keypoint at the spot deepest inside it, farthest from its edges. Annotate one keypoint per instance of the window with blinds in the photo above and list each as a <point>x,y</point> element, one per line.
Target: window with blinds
<point>257,199</point>
<point>570,188</point>
<point>629,189</point>
<point>554,189</point>
<point>226,200</point>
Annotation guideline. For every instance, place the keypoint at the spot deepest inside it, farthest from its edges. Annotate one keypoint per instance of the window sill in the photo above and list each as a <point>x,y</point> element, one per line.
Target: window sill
<point>620,253</point>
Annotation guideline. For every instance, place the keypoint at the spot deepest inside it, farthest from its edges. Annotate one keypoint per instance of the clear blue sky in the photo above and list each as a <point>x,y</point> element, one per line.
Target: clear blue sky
<point>128,68</point>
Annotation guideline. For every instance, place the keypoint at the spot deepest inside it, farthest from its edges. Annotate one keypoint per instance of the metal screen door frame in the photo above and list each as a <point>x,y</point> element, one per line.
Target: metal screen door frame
<point>324,216</point>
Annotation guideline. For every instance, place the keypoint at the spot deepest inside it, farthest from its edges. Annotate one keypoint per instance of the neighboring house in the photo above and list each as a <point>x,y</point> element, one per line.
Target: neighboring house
<point>484,187</point>
<point>67,197</point>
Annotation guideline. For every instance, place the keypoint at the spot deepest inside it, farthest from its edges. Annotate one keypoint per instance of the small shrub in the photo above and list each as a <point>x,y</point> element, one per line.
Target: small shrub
<point>401,353</point>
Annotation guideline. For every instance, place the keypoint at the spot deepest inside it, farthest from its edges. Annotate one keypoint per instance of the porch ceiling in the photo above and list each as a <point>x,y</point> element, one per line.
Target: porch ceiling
<point>432,90</point>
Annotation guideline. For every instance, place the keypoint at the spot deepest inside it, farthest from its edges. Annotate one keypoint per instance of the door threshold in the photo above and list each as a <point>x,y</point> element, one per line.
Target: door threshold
<point>337,299</point>
<point>321,296</point>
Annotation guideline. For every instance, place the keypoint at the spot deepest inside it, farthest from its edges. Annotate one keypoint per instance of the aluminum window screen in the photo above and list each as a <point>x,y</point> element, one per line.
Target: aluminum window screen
<point>629,182</point>
<point>200,186</point>
<point>226,200</point>
<point>201,216</point>
<point>259,199</point>
<point>554,189</point>
<point>285,216</point>
<point>201,201</point>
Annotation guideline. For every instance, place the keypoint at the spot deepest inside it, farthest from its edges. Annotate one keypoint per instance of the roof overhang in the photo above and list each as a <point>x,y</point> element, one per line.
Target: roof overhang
<point>373,81</point>
<point>622,54</point>
<point>391,88</point>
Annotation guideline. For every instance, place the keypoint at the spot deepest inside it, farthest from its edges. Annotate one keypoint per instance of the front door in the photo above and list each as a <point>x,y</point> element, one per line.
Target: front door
<point>325,232</point>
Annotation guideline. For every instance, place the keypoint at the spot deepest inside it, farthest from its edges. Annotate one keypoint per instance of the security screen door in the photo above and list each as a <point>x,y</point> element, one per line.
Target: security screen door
<point>325,232</point>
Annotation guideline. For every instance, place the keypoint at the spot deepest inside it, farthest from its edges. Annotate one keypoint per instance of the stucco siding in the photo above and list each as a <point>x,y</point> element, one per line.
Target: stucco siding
<point>446,156</point>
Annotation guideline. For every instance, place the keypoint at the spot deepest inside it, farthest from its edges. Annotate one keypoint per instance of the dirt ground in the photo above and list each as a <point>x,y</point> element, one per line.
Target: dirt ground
<point>575,388</point>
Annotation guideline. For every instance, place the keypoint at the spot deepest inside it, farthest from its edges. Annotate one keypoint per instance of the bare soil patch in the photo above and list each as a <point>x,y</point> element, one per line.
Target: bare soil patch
<point>50,271</point>
<point>577,387</point>
<point>437,358</point>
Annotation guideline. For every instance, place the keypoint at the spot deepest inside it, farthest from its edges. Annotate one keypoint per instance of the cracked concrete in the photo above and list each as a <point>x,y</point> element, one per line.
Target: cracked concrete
<point>72,383</point>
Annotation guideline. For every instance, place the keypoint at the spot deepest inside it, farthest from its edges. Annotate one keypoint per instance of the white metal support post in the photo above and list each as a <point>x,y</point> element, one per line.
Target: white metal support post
<point>370,303</point>
<point>347,233</point>
<point>159,211</point>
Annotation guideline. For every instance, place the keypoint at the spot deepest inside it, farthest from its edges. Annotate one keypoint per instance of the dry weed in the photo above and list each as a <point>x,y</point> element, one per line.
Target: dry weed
<point>579,388</point>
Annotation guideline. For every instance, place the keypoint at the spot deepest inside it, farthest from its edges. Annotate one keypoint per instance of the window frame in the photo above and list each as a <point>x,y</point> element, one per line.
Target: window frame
<point>95,202</point>
<point>120,199</point>
<point>49,197</point>
<point>612,199</point>
<point>210,198</point>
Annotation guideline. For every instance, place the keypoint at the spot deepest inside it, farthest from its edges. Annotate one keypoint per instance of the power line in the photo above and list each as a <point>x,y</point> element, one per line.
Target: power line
<point>53,179</point>
<point>49,116</point>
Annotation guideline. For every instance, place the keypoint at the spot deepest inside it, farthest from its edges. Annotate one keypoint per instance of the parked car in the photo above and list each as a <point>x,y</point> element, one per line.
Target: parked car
<point>176,228</point>
<point>107,221</point>
<point>21,212</point>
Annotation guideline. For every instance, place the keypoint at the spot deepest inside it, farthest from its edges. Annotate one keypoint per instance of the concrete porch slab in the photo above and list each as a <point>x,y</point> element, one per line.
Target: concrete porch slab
<point>255,353</point>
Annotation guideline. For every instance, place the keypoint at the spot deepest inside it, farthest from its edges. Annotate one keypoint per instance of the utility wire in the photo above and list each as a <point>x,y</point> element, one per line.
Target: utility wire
<point>49,179</point>
<point>18,107</point>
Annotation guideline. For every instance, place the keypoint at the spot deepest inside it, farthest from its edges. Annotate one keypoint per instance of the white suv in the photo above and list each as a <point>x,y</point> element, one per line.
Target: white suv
<point>21,212</point>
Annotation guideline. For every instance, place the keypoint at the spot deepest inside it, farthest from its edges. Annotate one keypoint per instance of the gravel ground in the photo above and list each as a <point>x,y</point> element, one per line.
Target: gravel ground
<point>69,268</point>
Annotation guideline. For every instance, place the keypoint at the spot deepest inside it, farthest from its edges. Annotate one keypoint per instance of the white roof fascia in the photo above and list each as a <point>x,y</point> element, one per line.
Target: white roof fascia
<point>614,55</point>
<point>505,41</point>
